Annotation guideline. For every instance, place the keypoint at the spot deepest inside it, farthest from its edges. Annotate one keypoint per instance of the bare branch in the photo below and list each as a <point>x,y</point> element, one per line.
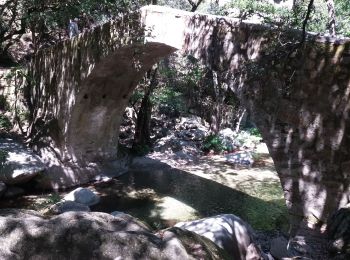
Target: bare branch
<point>307,17</point>
<point>194,5</point>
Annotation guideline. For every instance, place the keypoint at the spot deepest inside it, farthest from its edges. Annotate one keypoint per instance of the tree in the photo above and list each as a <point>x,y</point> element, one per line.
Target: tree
<point>47,21</point>
<point>142,137</point>
<point>11,26</point>
<point>331,17</point>
<point>194,5</point>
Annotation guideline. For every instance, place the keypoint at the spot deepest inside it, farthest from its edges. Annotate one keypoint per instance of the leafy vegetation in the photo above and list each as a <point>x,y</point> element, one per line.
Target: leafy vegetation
<point>254,131</point>
<point>5,123</point>
<point>47,21</point>
<point>214,143</point>
<point>293,16</point>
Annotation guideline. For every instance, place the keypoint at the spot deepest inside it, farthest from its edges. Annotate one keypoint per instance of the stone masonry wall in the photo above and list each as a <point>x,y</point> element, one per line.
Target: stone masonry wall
<point>300,99</point>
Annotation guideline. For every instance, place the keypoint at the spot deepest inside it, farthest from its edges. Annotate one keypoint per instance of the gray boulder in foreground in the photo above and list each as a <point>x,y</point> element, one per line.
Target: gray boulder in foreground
<point>229,232</point>
<point>94,235</point>
<point>21,163</point>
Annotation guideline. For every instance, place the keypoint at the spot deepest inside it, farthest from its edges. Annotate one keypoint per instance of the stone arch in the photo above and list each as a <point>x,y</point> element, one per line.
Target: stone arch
<point>93,128</point>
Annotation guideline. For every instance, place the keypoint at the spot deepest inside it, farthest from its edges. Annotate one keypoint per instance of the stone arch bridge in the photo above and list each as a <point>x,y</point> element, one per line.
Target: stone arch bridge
<point>300,100</point>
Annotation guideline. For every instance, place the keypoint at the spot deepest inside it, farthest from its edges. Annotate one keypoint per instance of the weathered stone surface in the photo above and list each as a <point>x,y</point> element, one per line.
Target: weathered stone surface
<point>242,158</point>
<point>198,247</point>
<point>83,196</point>
<point>130,218</point>
<point>65,206</point>
<point>93,235</point>
<point>21,164</point>
<point>227,231</point>
<point>227,137</point>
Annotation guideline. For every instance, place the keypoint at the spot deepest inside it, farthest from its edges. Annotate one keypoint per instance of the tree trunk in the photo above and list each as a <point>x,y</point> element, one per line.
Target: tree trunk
<point>220,92</point>
<point>331,17</point>
<point>142,135</point>
<point>194,5</point>
<point>241,114</point>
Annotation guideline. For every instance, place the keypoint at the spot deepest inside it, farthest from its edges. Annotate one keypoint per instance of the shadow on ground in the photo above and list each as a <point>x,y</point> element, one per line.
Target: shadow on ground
<point>141,191</point>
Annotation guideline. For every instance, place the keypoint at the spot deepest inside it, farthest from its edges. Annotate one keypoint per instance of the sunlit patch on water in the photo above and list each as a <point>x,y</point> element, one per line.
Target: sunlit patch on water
<point>171,208</point>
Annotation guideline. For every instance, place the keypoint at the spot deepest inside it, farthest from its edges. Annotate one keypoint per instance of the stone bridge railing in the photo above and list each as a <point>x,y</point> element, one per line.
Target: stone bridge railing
<point>299,97</point>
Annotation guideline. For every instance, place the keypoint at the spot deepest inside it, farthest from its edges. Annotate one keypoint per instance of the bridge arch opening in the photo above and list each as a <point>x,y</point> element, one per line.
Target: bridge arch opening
<point>173,129</point>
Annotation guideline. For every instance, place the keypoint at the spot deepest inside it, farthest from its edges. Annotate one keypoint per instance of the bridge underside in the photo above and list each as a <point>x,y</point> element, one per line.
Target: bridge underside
<point>300,102</point>
<point>85,141</point>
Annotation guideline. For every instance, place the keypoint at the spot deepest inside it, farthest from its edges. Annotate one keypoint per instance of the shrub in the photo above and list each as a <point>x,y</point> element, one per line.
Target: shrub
<point>213,142</point>
<point>255,131</point>
<point>5,123</point>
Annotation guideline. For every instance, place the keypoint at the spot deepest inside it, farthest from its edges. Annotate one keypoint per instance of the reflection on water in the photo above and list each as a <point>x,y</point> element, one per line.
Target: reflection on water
<point>163,197</point>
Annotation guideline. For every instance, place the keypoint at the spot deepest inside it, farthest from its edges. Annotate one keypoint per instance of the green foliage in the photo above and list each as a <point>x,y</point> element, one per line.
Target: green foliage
<point>53,198</point>
<point>213,142</point>
<point>169,98</point>
<point>57,14</point>
<point>136,96</point>
<point>270,13</point>
<point>254,131</point>
<point>48,20</point>
<point>342,12</point>
<point>3,157</point>
<point>5,123</point>
<point>22,115</point>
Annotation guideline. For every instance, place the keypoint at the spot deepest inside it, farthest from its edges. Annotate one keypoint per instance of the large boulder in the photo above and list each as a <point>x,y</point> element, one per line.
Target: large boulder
<point>192,122</point>
<point>242,158</point>
<point>83,196</point>
<point>198,247</point>
<point>229,232</point>
<point>93,235</point>
<point>21,163</point>
<point>128,217</point>
<point>227,137</point>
